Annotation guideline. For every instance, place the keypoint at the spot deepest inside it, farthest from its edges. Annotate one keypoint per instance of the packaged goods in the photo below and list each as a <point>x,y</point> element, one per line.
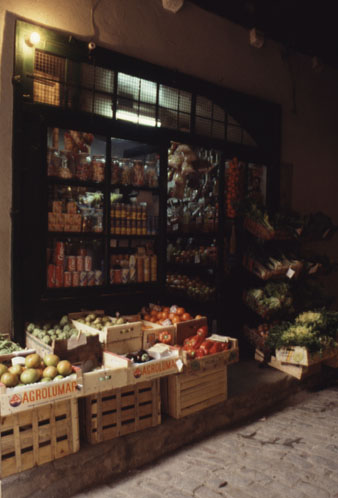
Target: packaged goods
<point>138,173</point>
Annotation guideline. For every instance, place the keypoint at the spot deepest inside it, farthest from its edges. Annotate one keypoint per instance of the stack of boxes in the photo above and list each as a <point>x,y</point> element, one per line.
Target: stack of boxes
<point>70,221</point>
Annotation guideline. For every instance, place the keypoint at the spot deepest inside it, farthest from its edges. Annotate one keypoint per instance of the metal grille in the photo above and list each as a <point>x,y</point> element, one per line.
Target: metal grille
<point>62,82</point>
<point>136,100</point>
<point>49,76</point>
<point>174,108</point>
<point>210,118</point>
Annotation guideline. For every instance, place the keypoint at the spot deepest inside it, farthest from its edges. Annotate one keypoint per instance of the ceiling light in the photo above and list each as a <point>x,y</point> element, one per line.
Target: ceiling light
<point>137,119</point>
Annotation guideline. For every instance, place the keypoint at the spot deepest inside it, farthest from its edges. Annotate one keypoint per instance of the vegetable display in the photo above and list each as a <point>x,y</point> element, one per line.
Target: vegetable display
<point>199,345</point>
<point>315,330</point>
<point>273,298</point>
<point>49,331</point>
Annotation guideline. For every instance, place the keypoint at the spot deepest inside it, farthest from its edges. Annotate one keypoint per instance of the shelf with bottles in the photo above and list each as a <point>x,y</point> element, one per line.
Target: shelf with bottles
<point>134,165</point>
<point>75,156</point>
<point>134,214</point>
<point>74,209</point>
<point>74,262</point>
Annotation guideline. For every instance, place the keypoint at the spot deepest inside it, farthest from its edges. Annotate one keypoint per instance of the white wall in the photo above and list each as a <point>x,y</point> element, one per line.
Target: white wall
<point>203,45</point>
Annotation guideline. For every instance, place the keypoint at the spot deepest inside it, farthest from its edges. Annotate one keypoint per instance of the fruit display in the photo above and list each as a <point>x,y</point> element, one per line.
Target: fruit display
<point>99,322</point>
<point>166,315</point>
<point>7,346</point>
<point>192,286</point>
<point>49,331</point>
<point>35,369</point>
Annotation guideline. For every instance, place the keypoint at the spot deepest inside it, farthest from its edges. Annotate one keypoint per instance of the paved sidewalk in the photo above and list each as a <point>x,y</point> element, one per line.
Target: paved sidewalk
<point>292,453</point>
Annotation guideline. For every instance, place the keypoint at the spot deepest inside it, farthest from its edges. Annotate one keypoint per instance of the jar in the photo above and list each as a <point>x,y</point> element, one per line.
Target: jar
<point>150,173</point>
<point>138,173</point>
<point>64,170</point>
<point>98,168</point>
<point>126,172</point>
<point>115,171</point>
<point>83,166</point>
<point>53,161</point>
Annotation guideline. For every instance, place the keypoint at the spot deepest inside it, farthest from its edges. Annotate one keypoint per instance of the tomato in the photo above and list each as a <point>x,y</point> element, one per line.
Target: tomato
<point>176,319</point>
<point>191,353</point>
<point>165,337</point>
<point>186,316</point>
<point>165,315</point>
<point>172,315</point>
<point>206,346</point>
<point>159,315</point>
<point>216,348</point>
<point>202,331</point>
<point>200,353</point>
<point>153,313</point>
<point>180,311</point>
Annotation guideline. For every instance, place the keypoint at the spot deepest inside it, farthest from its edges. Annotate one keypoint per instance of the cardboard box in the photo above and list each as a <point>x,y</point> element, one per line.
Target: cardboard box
<point>140,372</point>
<point>57,206</point>
<point>103,379</point>
<point>21,398</point>
<point>301,356</point>
<point>189,328</point>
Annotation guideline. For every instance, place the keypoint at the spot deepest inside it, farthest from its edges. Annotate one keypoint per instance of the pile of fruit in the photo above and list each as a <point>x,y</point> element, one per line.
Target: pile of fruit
<point>35,369</point>
<point>165,315</point>
<point>192,286</point>
<point>199,345</point>
<point>100,321</point>
<point>7,346</point>
<point>49,331</point>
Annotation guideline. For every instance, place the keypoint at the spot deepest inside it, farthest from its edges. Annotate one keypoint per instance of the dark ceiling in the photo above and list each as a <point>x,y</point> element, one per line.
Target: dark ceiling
<point>306,27</point>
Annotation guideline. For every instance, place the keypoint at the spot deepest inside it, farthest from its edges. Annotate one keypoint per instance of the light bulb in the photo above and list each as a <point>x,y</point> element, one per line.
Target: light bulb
<point>34,38</point>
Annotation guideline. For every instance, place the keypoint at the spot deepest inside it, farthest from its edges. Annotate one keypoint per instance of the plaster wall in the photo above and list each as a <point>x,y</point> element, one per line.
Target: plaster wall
<point>203,45</point>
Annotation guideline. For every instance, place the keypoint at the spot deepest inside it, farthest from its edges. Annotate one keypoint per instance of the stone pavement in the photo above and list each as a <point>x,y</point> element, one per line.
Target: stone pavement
<point>292,452</point>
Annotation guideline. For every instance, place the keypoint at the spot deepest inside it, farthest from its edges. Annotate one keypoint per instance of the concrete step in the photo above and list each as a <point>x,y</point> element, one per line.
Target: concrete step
<point>253,391</point>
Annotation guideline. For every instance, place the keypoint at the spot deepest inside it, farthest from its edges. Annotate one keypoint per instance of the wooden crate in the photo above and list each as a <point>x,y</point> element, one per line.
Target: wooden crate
<point>77,349</point>
<point>118,412</point>
<point>189,328</point>
<point>297,371</point>
<point>120,339</point>
<point>194,391</point>
<point>38,436</point>
<point>151,332</point>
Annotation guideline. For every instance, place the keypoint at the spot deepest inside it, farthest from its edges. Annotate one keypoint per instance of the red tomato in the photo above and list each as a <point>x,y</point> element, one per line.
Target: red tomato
<point>200,353</point>
<point>166,309</point>
<point>153,313</point>
<point>202,331</point>
<point>172,315</point>
<point>165,337</point>
<point>153,319</point>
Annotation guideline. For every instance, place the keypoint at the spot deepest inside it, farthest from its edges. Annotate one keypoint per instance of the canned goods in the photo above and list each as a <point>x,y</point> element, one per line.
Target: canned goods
<point>88,263</point>
<point>71,263</point>
<point>82,251</point>
<point>60,252</point>
<point>51,276</point>
<point>98,277</point>
<point>59,276</point>
<point>91,278</point>
<point>80,263</point>
<point>67,279</point>
<point>83,279</point>
<point>75,279</point>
